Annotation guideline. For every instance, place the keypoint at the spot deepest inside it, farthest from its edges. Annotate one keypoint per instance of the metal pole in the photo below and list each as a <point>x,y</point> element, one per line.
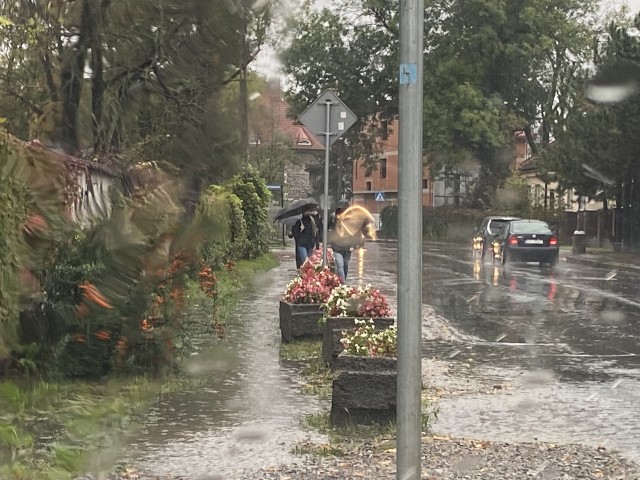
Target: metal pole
<point>284,227</point>
<point>410,241</point>
<point>244,106</point>
<point>325,216</point>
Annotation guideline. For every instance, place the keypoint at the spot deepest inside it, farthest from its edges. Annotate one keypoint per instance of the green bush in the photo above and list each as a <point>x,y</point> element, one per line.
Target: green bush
<point>438,224</point>
<point>389,222</point>
<point>219,213</point>
<point>13,202</point>
<point>252,190</point>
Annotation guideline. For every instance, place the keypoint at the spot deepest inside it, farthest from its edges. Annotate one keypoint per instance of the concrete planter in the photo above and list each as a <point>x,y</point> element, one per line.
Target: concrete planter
<point>332,333</point>
<point>300,320</point>
<point>364,390</point>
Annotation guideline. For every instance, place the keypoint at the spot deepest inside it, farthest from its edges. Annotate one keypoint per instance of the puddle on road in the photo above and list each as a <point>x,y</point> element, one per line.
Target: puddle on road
<point>588,413</point>
<point>528,392</point>
<point>247,410</point>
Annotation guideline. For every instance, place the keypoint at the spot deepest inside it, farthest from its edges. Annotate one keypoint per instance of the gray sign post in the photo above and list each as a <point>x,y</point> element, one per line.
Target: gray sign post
<point>408,447</point>
<point>327,118</point>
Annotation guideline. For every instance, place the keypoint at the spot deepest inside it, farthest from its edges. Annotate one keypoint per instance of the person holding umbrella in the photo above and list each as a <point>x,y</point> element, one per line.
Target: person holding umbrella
<point>306,228</point>
<point>307,234</point>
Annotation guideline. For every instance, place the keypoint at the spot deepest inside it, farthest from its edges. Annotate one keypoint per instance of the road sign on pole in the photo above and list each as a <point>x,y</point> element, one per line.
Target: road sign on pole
<point>340,118</point>
<point>379,197</point>
<point>327,118</point>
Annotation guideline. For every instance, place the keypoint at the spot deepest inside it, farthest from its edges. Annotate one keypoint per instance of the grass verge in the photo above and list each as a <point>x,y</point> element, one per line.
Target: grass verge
<point>354,439</point>
<point>317,378</point>
<point>56,430</point>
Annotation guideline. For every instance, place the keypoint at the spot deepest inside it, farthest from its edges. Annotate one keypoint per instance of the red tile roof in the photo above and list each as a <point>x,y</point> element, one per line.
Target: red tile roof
<point>272,113</point>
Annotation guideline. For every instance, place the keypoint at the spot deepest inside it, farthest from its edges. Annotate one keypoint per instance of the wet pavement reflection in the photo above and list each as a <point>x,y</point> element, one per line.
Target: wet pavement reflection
<point>557,349</point>
<point>565,341</point>
<point>246,411</point>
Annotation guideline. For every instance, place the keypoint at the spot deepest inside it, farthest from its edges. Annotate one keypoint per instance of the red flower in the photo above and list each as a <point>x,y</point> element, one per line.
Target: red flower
<point>314,285</point>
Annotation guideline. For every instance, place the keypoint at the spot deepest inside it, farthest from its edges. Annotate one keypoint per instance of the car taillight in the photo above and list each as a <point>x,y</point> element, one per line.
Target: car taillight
<point>553,241</point>
<point>513,240</point>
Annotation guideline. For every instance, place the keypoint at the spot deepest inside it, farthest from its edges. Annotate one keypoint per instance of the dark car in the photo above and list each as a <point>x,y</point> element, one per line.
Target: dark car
<point>526,240</point>
<point>490,228</point>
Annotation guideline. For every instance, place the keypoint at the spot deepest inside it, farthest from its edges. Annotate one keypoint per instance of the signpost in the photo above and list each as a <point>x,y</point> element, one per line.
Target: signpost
<point>327,118</point>
<point>408,447</point>
<point>379,197</point>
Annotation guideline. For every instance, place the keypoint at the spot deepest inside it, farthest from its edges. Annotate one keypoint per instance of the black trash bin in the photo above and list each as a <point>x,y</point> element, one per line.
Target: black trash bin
<point>579,242</point>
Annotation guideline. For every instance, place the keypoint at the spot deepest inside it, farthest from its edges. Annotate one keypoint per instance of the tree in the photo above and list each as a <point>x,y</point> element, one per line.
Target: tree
<point>491,67</point>
<point>351,48</point>
<point>271,158</point>
<point>596,154</point>
<point>111,76</point>
<point>494,67</point>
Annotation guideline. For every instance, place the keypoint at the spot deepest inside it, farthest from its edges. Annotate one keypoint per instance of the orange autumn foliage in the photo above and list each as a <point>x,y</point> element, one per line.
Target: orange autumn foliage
<point>92,294</point>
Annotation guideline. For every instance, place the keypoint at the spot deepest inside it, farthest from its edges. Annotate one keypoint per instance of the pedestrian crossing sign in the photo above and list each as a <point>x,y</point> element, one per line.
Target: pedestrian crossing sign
<point>379,197</point>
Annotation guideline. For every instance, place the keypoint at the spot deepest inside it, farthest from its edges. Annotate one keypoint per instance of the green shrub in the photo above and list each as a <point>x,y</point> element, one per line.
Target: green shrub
<point>13,202</point>
<point>389,222</point>
<point>438,223</point>
<point>252,190</point>
<point>220,214</point>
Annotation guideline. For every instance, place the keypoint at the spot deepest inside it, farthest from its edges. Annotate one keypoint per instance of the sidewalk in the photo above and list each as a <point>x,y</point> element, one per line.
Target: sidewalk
<point>598,257</point>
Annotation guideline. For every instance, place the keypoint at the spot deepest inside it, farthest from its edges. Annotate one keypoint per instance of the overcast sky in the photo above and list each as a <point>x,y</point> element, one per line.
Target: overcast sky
<point>268,65</point>
<point>634,5</point>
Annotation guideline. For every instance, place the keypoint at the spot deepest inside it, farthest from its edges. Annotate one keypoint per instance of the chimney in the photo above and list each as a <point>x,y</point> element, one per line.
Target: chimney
<point>275,89</point>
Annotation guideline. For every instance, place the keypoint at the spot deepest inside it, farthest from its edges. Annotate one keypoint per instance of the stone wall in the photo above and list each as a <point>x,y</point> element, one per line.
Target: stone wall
<point>297,181</point>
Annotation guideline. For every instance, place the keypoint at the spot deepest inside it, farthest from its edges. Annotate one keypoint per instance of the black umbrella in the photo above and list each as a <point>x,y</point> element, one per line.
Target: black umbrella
<point>297,207</point>
<point>290,221</point>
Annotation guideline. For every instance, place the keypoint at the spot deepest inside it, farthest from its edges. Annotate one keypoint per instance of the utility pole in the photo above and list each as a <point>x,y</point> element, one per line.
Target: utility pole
<point>409,408</point>
<point>340,163</point>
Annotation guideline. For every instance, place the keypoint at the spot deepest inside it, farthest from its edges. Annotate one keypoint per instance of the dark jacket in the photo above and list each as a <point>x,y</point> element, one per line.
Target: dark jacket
<point>309,237</point>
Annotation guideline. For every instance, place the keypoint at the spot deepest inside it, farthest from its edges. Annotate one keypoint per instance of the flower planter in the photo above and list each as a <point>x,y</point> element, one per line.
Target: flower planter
<point>364,390</point>
<point>332,333</point>
<point>300,320</point>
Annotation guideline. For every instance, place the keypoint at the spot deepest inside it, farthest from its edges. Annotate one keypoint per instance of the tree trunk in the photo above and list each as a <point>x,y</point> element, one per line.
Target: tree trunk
<point>97,82</point>
<point>71,81</point>
<point>530,140</point>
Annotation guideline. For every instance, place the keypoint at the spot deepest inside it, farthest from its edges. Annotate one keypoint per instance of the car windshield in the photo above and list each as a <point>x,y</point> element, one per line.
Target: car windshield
<point>530,227</point>
<point>495,226</point>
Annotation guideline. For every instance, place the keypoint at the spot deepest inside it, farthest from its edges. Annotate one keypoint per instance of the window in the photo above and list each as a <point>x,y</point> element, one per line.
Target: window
<point>531,227</point>
<point>368,186</point>
<point>383,168</point>
<point>425,183</point>
<point>537,195</point>
<point>384,127</point>
<point>304,141</point>
<point>355,170</point>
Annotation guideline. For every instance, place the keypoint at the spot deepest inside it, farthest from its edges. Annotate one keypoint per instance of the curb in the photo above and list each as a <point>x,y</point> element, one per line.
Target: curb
<point>580,260</point>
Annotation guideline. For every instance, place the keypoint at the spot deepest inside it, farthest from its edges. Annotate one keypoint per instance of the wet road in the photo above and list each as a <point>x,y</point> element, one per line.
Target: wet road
<point>564,344</point>
<point>561,344</point>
